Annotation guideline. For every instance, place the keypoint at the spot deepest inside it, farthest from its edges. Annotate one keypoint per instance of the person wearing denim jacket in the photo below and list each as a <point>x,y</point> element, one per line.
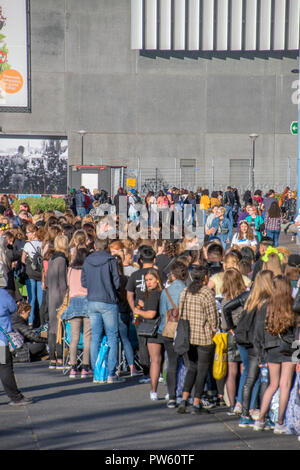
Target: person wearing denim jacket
<point>7,307</point>
<point>222,224</point>
<point>178,275</point>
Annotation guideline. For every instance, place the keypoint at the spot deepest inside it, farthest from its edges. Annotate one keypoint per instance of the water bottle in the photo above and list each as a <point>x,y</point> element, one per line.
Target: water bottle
<point>264,374</point>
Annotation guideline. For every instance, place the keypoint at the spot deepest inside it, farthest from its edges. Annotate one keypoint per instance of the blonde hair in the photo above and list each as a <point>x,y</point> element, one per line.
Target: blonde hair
<point>285,252</point>
<point>233,284</point>
<point>231,261</point>
<point>79,239</point>
<point>87,219</point>
<point>261,291</point>
<point>61,243</point>
<point>273,264</point>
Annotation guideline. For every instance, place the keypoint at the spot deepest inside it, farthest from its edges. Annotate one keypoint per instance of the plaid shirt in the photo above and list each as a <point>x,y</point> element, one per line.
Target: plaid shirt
<point>273,224</point>
<point>202,312</point>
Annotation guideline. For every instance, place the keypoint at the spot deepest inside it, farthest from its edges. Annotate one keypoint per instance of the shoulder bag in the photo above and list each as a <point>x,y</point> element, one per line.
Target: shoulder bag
<point>148,326</point>
<point>15,339</point>
<point>182,336</point>
<point>172,317</point>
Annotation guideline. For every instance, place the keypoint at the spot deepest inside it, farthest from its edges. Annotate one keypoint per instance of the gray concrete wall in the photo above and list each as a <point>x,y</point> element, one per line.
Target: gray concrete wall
<point>158,109</point>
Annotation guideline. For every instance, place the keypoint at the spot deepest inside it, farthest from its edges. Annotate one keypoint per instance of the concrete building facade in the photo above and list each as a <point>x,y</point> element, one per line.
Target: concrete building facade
<point>187,113</point>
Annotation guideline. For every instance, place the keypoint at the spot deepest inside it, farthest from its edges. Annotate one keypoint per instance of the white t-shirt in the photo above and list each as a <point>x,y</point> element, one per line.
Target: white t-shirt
<point>128,270</point>
<point>243,241</point>
<point>298,221</point>
<point>32,247</point>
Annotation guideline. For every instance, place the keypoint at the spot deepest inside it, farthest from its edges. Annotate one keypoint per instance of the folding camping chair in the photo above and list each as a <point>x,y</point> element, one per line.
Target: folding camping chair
<point>122,362</point>
<point>66,347</point>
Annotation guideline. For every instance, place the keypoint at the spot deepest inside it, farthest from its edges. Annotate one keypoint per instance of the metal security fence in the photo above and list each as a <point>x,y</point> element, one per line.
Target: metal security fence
<point>214,177</point>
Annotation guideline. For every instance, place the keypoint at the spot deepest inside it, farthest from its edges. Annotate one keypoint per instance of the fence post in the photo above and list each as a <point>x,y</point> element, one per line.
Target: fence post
<point>212,181</point>
<point>289,174</point>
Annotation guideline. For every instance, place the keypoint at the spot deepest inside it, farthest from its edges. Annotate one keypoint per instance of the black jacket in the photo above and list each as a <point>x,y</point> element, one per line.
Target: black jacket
<point>228,198</point>
<point>232,305</point>
<point>20,325</point>
<point>263,340</point>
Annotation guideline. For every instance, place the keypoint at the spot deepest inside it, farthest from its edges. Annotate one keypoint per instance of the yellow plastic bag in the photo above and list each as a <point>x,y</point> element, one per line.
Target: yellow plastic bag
<point>220,359</point>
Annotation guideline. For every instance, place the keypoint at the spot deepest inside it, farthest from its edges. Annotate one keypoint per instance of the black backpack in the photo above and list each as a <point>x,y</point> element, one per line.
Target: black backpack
<point>36,261</point>
<point>244,329</point>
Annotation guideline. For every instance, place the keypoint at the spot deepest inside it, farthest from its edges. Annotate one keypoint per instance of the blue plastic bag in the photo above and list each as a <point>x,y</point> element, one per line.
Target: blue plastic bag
<point>181,373</point>
<point>101,366</point>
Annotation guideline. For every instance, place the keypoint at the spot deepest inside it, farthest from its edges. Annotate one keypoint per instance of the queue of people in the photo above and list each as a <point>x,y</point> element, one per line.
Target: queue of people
<point>240,283</point>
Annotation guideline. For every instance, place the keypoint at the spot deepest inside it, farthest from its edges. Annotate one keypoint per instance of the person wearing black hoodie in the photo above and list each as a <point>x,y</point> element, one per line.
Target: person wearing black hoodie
<point>101,278</point>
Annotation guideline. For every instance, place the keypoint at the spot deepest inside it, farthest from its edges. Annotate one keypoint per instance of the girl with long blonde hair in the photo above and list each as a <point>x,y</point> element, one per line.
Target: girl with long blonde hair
<point>260,293</point>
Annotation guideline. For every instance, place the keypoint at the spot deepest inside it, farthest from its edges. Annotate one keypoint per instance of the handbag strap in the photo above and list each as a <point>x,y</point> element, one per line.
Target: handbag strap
<point>181,314</point>
<point>8,337</point>
<point>170,299</point>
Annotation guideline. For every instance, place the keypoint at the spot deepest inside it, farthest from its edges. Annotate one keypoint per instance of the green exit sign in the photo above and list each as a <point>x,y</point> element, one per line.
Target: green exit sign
<point>294,127</point>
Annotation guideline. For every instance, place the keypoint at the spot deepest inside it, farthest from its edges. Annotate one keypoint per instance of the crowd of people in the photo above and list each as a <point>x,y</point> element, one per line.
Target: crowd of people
<point>172,296</point>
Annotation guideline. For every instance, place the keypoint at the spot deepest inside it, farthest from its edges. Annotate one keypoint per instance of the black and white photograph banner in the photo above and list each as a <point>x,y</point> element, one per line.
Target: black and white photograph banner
<point>33,164</point>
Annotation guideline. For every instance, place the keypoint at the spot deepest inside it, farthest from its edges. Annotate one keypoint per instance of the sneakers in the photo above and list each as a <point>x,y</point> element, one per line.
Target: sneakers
<point>238,408</point>
<point>59,365</point>
<point>145,380</point>
<point>220,402</point>
<point>22,402</point>
<point>206,404</point>
<point>182,407</point>
<point>258,426</point>
<point>246,422</point>
<point>280,429</point>
<point>74,373</point>
<point>115,380</point>
<point>153,396</point>
<point>231,412</point>
<point>196,410</point>
<point>161,380</point>
<point>199,410</point>
<point>269,425</point>
<point>85,374</point>
<point>254,414</point>
<point>171,404</point>
<point>135,372</point>
<point>52,365</point>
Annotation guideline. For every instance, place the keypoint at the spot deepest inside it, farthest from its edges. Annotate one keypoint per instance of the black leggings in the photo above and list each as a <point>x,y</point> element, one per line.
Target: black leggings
<point>8,380</point>
<point>172,368</point>
<point>198,360</point>
<point>253,374</point>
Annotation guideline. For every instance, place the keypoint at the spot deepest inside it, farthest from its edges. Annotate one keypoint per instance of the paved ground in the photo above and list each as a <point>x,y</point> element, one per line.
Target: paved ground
<point>285,240</point>
<point>77,414</point>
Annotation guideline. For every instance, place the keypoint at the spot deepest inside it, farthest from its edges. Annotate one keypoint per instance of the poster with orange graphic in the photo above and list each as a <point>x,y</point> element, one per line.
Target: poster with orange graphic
<point>14,55</point>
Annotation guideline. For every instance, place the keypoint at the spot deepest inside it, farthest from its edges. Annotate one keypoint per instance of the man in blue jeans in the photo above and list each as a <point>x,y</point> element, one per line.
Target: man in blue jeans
<point>80,202</point>
<point>101,279</point>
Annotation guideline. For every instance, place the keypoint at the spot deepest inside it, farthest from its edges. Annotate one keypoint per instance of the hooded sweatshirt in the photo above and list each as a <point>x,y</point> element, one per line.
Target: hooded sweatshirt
<point>100,277</point>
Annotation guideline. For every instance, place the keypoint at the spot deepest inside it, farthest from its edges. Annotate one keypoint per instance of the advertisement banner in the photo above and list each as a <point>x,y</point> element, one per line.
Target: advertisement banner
<point>14,58</point>
<point>33,164</point>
